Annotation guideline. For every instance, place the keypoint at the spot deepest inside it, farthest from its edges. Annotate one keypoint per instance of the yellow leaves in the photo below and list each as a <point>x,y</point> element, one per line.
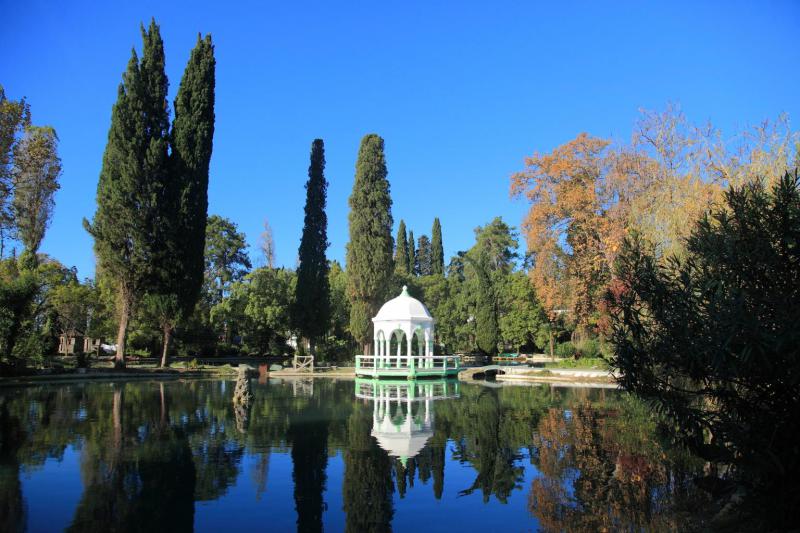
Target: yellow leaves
<point>587,195</point>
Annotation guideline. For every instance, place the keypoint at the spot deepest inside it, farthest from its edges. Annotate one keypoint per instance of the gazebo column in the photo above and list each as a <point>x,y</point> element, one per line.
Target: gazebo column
<point>399,349</point>
<point>428,361</point>
<point>409,338</point>
<point>379,348</point>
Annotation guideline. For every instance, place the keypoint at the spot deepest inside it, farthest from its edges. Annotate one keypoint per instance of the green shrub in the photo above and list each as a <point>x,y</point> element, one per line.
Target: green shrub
<point>594,363</point>
<point>565,350</point>
<point>711,340</point>
<point>193,364</point>
<point>589,348</point>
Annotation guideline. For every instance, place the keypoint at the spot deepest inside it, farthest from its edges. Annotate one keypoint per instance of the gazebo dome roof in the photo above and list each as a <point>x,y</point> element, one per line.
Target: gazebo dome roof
<point>403,445</point>
<point>404,307</point>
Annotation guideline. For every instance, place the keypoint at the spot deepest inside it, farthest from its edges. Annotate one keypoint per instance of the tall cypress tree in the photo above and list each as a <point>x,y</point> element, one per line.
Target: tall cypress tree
<point>180,265</point>
<point>311,310</point>
<point>401,259</point>
<point>133,179</point>
<point>437,249</point>
<point>487,332</point>
<point>369,252</point>
<point>413,268</point>
<point>424,256</point>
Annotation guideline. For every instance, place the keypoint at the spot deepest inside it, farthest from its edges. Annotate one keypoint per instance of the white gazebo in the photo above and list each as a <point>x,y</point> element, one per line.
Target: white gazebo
<point>406,322</point>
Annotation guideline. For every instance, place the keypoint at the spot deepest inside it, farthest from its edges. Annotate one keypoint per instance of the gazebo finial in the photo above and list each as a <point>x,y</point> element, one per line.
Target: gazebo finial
<point>405,290</point>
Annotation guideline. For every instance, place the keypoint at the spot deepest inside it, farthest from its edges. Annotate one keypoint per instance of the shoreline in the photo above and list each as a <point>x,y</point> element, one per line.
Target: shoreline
<point>512,376</point>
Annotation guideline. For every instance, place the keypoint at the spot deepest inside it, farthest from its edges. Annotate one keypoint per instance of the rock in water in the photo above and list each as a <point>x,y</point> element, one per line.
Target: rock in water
<point>242,398</point>
<point>242,395</point>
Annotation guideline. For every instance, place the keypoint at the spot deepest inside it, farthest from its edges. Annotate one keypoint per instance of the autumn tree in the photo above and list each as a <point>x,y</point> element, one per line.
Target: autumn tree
<point>37,168</point>
<point>267,244</point>
<point>15,116</point>
<point>565,225</point>
<point>369,251</point>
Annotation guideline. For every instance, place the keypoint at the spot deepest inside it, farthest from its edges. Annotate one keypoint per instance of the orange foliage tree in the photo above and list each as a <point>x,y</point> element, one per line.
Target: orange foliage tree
<point>568,225</point>
<point>588,194</point>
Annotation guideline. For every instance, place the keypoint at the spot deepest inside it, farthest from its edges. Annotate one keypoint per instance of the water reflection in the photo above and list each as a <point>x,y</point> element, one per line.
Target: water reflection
<point>373,460</point>
<point>402,412</point>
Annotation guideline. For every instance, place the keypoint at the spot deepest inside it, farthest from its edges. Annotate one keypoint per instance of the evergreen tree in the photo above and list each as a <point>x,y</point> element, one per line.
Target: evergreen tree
<point>133,180</point>
<point>437,249</point>
<point>487,332</point>
<point>424,256</point>
<point>369,252</point>
<point>179,264</point>
<point>312,292</point>
<point>401,258</point>
<point>413,267</point>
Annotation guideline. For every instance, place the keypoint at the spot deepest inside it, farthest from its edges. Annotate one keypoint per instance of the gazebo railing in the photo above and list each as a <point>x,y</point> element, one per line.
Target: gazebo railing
<point>406,362</point>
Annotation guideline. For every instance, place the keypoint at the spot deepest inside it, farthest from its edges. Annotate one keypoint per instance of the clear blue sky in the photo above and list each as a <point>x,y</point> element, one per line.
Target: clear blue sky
<point>461,92</point>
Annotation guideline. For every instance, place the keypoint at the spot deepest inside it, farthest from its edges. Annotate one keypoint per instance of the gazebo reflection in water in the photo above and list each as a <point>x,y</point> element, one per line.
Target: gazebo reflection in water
<point>402,412</point>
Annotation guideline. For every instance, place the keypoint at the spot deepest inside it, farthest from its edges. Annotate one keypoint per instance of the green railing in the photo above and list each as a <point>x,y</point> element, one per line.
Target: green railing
<point>404,362</point>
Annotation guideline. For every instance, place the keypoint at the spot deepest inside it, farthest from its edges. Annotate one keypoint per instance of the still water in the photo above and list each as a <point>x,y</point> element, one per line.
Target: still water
<point>313,455</point>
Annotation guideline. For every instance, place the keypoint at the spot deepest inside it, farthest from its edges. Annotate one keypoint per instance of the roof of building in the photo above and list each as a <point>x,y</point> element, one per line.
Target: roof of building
<point>403,307</point>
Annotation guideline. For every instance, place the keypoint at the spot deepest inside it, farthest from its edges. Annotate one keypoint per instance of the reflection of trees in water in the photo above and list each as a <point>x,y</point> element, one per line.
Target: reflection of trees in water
<point>135,478</point>
<point>367,487</point>
<point>478,427</point>
<point>260,473</point>
<point>12,506</point>
<point>308,433</point>
<point>621,479</point>
<point>154,448</point>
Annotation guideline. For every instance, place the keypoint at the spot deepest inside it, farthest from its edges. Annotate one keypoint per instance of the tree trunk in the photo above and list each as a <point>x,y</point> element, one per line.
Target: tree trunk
<point>167,338</point>
<point>368,348</point>
<point>552,351</point>
<point>122,332</point>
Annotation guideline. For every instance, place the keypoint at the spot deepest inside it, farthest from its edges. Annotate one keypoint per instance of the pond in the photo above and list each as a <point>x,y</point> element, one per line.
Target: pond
<point>335,455</point>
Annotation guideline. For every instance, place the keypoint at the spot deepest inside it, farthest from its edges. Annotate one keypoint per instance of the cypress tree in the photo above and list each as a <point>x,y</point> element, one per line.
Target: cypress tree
<point>424,256</point>
<point>133,179</point>
<point>401,259</point>
<point>179,266</point>
<point>437,249</point>
<point>413,267</point>
<point>369,252</point>
<point>487,330</point>
<point>312,292</point>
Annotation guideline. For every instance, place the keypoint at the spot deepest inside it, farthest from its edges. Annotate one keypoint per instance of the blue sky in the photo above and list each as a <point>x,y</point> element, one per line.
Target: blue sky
<point>461,92</point>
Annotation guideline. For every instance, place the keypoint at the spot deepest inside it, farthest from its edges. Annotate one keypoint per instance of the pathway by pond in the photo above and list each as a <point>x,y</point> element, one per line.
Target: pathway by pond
<point>321,454</point>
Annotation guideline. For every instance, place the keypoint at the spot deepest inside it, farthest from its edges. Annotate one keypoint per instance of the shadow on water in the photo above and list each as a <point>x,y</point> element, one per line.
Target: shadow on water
<point>528,457</point>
